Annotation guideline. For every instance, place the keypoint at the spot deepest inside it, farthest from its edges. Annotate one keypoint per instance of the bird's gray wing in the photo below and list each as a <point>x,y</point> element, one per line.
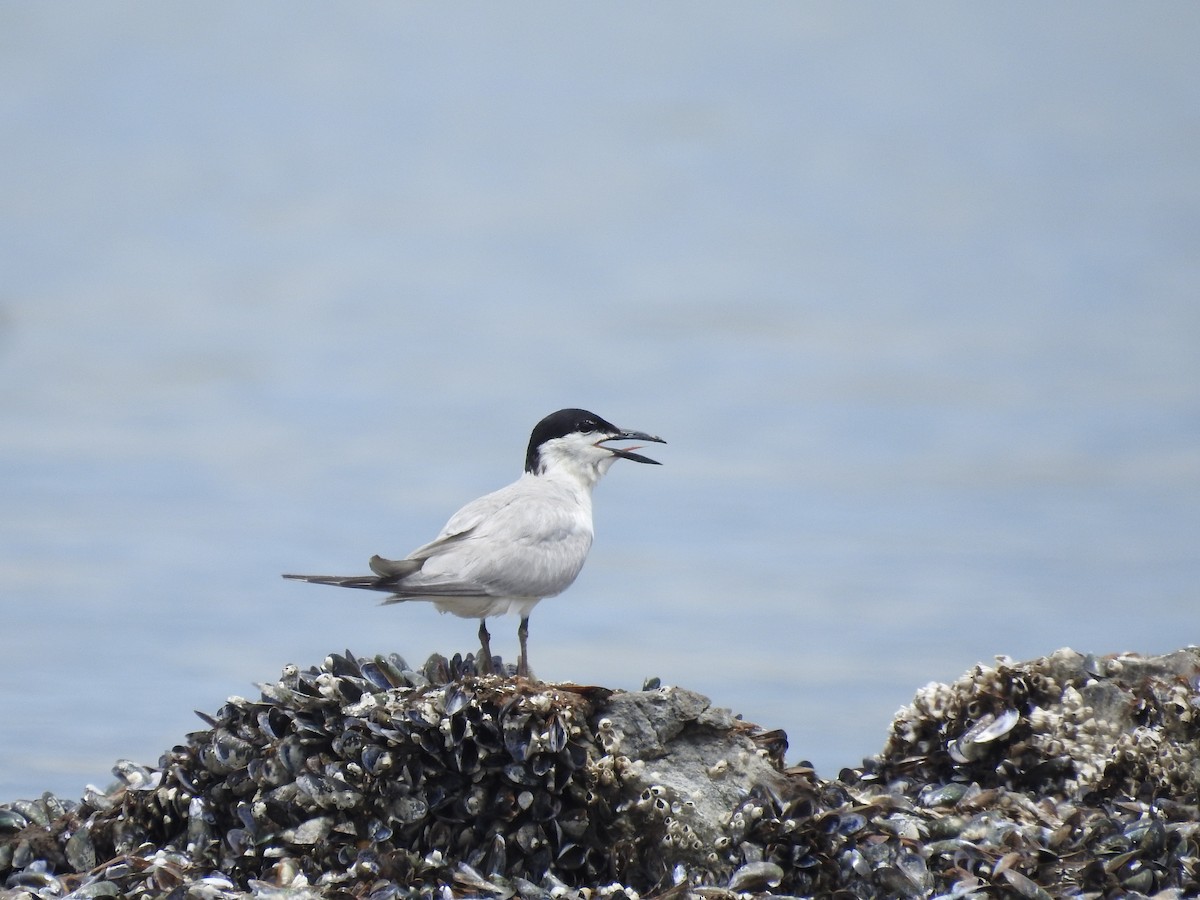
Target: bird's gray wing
<point>407,579</point>
<point>397,569</point>
<point>514,548</point>
<point>464,523</point>
<point>407,575</point>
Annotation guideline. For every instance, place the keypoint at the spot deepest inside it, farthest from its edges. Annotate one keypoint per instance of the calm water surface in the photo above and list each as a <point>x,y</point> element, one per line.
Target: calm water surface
<point>912,293</point>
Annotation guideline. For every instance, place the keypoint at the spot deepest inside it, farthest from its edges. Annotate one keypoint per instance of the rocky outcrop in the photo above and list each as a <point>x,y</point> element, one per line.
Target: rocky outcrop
<point>1065,775</point>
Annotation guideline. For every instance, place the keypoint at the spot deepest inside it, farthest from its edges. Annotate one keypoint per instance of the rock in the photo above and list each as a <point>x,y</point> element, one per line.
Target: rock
<point>1069,774</point>
<point>685,771</point>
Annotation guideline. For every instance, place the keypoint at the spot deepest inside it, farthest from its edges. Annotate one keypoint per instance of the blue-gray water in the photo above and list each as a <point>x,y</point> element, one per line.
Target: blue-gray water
<point>912,291</point>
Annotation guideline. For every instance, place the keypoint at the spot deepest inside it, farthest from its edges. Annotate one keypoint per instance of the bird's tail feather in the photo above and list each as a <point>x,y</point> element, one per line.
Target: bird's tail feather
<point>389,573</point>
<point>367,582</point>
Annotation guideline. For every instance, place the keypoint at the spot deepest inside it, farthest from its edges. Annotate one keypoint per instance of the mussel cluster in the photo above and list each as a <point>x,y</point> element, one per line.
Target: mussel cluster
<point>365,776</point>
<point>1065,776</point>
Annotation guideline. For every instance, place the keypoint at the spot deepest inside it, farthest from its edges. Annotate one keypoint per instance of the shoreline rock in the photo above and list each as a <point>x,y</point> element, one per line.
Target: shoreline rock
<point>1069,775</point>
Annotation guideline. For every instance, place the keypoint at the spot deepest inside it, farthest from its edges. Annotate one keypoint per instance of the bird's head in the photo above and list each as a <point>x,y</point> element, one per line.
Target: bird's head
<point>576,439</point>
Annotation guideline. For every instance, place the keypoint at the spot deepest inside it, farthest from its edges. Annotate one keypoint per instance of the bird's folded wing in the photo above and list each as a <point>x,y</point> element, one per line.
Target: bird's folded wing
<point>439,544</point>
<point>466,522</point>
<point>439,589</point>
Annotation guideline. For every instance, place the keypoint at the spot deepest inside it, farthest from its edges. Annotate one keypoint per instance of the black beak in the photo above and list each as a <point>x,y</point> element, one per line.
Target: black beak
<point>627,453</point>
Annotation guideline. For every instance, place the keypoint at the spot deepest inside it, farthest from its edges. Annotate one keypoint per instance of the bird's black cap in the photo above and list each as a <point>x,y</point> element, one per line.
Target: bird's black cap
<point>561,423</point>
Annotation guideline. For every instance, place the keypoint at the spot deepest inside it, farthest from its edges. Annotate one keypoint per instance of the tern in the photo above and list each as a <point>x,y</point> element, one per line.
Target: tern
<point>509,550</point>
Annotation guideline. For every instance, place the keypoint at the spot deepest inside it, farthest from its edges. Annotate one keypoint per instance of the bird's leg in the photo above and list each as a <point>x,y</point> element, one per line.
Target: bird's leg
<point>485,650</point>
<point>523,636</point>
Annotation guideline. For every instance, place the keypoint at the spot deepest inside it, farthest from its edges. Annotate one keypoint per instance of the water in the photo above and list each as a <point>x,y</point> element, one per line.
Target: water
<point>912,293</point>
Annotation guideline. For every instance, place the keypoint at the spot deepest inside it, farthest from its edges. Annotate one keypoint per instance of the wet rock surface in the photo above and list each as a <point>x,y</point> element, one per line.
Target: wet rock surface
<point>1069,775</point>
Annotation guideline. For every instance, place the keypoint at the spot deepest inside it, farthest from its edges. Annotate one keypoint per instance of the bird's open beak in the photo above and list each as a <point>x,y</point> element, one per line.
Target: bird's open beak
<point>627,452</point>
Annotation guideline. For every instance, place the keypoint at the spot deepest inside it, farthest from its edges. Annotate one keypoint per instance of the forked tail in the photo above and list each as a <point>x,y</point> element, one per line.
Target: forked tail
<point>388,575</point>
<point>368,582</point>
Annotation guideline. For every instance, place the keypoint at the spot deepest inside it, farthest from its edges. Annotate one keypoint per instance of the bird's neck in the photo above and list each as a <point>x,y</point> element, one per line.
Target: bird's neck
<point>574,473</point>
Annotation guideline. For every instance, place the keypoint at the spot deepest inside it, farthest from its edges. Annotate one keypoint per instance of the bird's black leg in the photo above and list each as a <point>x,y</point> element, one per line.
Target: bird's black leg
<point>485,650</point>
<point>523,637</point>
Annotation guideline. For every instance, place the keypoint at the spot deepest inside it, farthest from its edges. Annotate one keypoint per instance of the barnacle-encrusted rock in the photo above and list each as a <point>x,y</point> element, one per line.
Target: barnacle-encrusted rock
<point>1068,775</point>
<point>1066,724</point>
